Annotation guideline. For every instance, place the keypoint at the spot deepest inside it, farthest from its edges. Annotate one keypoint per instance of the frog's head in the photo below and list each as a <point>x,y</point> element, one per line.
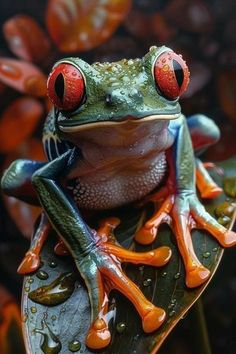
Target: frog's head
<point>104,94</point>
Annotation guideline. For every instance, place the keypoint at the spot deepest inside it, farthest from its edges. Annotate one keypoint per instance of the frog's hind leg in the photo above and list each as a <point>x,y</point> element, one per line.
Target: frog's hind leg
<point>110,269</point>
<point>204,133</point>
<point>31,260</point>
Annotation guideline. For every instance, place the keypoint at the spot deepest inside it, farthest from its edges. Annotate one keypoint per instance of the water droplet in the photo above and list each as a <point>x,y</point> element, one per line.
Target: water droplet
<point>52,264</point>
<point>56,292</point>
<point>206,254</point>
<point>215,249</point>
<point>226,208</point>
<point>120,327</point>
<point>51,344</point>
<point>53,318</point>
<point>33,309</point>
<point>172,313</point>
<point>41,274</point>
<point>224,220</point>
<point>25,317</point>
<point>63,309</point>
<point>177,275</point>
<point>27,288</point>
<point>74,346</point>
<point>172,303</point>
<point>165,67</point>
<point>152,344</point>
<point>164,274</point>
<point>147,282</point>
<point>30,280</point>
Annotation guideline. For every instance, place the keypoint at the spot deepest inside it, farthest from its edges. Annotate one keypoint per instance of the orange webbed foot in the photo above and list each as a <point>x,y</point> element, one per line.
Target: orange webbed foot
<point>183,212</point>
<point>102,272</point>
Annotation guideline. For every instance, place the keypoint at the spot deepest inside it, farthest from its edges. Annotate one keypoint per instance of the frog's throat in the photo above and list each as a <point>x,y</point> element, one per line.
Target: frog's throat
<point>133,120</point>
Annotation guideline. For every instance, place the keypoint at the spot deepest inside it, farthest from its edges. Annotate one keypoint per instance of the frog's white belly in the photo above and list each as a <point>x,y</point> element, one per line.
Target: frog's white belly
<point>119,187</point>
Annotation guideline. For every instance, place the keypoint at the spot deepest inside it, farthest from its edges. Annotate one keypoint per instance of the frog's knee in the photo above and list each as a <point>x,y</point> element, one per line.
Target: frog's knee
<point>203,130</point>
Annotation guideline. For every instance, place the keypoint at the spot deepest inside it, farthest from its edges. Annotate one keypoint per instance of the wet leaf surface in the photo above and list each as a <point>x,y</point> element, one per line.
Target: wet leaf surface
<point>62,327</point>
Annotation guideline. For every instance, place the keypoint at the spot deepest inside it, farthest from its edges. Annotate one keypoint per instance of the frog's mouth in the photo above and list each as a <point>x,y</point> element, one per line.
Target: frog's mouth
<point>66,126</point>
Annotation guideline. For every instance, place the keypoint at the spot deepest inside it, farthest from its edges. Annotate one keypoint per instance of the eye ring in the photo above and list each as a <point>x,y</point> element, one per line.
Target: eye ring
<point>171,75</point>
<point>66,86</point>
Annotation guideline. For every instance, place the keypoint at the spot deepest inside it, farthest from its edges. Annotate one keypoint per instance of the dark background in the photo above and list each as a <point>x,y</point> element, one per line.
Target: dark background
<point>209,47</point>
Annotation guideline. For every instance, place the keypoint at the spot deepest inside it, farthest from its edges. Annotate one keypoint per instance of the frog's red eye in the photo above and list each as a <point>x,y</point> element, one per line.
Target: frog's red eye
<point>66,87</point>
<point>171,75</point>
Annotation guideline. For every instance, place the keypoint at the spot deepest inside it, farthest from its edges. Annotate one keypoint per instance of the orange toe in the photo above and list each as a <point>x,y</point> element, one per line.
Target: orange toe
<point>98,336</point>
<point>211,192</point>
<point>228,239</point>
<point>160,256</point>
<point>197,276</point>
<point>146,236</point>
<point>153,319</point>
<point>30,263</point>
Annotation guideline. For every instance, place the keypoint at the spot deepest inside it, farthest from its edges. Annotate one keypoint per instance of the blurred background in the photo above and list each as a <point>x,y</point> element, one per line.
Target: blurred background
<point>33,35</point>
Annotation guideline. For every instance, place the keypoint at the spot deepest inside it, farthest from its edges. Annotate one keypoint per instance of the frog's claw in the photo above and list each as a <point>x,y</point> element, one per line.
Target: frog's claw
<point>31,261</point>
<point>183,212</point>
<point>102,272</point>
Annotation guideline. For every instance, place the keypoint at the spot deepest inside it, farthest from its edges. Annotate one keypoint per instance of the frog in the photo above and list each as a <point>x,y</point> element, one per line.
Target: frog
<point>116,135</point>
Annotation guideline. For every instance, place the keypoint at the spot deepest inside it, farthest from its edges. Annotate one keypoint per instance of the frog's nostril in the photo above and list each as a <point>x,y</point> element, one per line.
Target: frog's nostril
<point>109,100</point>
<point>60,86</point>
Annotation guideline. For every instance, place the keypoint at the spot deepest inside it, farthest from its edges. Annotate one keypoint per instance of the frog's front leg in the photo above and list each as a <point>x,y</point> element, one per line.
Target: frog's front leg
<point>204,133</point>
<point>97,259</point>
<point>17,182</point>
<point>181,208</point>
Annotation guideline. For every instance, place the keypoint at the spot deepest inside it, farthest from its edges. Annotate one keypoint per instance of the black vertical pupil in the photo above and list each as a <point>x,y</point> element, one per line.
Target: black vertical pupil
<point>60,86</point>
<point>179,73</point>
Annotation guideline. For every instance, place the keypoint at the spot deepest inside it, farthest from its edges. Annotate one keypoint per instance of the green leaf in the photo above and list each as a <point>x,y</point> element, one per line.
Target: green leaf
<point>62,328</point>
